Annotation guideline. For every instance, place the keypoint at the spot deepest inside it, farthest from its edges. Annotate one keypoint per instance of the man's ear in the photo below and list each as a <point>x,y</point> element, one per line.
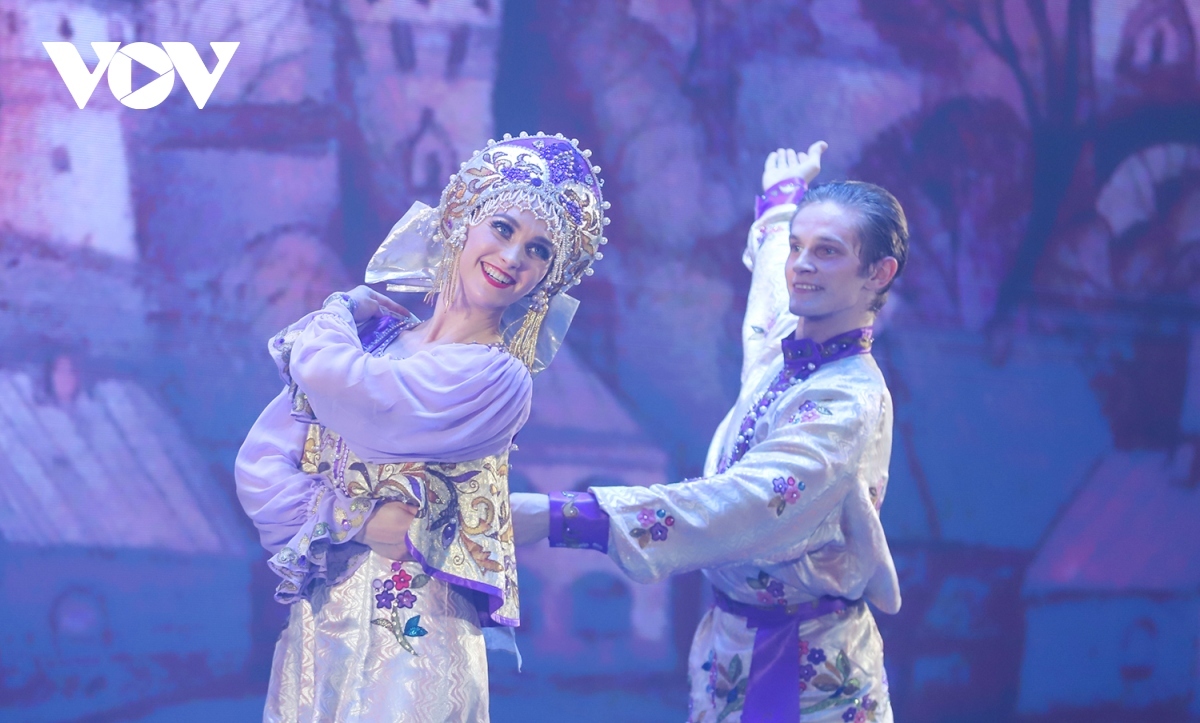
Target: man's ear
<point>881,273</point>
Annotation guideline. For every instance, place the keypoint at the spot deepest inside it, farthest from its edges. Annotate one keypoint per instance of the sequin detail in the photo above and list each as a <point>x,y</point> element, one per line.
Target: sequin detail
<point>726,684</point>
<point>787,492</point>
<point>810,411</point>
<point>768,590</point>
<point>394,594</point>
<point>836,679</point>
<point>655,525</point>
<point>801,358</point>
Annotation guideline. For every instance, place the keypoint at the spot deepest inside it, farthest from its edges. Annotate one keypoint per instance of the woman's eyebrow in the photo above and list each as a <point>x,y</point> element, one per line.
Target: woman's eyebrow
<point>515,223</point>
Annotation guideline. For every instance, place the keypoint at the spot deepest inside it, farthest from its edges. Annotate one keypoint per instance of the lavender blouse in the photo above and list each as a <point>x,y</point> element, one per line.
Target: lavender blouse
<point>449,403</point>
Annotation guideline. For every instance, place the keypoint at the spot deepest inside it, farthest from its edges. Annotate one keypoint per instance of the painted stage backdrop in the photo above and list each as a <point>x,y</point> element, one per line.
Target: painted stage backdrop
<point>1043,348</point>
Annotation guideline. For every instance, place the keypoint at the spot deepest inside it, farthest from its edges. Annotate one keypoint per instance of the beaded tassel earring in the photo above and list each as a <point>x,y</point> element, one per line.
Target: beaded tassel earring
<point>524,343</point>
<point>447,275</point>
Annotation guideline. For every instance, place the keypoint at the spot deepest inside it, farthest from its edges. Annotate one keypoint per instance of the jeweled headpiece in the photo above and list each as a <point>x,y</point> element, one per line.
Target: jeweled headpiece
<point>550,177</point>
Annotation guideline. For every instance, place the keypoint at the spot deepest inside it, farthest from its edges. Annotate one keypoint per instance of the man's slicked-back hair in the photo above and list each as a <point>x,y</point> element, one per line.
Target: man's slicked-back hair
<point>882,227</point>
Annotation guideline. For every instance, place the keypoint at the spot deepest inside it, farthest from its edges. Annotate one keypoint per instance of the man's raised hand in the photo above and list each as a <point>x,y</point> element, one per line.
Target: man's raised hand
<point>786,163</point>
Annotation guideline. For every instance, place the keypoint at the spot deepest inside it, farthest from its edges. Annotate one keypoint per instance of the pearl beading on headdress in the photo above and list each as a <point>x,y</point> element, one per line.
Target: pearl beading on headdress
<point>546,175</point>
<point>550,177</point>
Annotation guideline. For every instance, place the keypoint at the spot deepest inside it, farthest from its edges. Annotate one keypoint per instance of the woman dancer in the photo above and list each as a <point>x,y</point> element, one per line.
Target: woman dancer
<point>384,419</point>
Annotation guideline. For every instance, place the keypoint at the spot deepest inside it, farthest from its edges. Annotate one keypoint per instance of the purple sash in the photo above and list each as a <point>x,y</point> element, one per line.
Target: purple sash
<point>773,685</point>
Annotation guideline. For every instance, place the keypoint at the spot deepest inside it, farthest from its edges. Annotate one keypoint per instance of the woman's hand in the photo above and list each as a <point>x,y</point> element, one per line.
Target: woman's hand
<point>786,163</point>
<point>387,529</point>
<point>369,303</point>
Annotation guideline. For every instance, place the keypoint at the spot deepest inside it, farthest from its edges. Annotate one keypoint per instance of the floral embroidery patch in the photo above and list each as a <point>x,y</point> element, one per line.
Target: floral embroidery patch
<point>834,678</point>
<point>808,412</point>
<point>654,526</point>
<point>395,594</point>
<point>864,712</point>
<point>787,492</point>
<point>768,590</point>
<point>726,683</point>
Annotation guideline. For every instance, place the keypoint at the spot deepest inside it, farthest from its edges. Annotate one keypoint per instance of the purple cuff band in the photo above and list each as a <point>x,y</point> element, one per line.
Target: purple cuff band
<point>790,190</point>
<point>772,687</point>
<point>576,520</point>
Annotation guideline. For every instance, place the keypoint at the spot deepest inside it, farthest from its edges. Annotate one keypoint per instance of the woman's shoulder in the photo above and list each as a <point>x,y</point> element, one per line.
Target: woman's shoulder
<point>490,360</point>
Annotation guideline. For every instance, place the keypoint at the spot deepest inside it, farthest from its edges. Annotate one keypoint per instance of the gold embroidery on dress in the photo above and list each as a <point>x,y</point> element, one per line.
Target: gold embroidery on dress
<point>464,527</point>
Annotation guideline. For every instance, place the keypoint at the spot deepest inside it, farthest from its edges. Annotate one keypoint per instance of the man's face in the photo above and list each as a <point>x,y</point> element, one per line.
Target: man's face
<point>824,274</point>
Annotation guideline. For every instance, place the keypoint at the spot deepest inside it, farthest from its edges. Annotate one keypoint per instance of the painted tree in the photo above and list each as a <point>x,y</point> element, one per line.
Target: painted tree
<point>1047,49</point>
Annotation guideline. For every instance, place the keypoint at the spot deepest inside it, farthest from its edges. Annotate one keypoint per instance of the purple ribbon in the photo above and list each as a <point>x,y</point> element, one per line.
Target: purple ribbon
<point>773,684</point>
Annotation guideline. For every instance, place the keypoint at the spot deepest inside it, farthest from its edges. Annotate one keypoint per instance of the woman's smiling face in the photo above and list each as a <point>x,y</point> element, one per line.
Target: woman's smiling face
<point>504,258</point>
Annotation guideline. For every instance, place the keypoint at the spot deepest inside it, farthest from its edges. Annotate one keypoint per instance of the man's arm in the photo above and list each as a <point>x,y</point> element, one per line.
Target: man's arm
<point>763,508</point>
<point>786,175</point>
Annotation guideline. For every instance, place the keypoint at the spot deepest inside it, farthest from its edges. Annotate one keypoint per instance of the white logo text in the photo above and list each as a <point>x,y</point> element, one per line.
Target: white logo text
<point>118,61</point>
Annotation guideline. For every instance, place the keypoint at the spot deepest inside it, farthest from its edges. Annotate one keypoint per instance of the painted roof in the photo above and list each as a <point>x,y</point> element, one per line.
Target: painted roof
<point>110,468</point>
<point>1133,527</point>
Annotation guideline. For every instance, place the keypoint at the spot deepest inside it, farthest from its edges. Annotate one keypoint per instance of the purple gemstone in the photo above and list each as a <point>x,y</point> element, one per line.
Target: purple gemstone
<point>575,211</point>
<point>515,174</point>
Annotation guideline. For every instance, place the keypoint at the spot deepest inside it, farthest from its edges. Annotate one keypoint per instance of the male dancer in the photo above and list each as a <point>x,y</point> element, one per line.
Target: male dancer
<point>785,523</point>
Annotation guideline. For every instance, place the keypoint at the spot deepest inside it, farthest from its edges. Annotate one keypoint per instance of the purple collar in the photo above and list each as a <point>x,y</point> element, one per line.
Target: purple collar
<point>806,355</point>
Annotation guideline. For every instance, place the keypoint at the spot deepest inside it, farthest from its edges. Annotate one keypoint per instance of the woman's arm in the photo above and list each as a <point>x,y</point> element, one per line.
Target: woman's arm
<point>274,491</point>
<point>449,403</point>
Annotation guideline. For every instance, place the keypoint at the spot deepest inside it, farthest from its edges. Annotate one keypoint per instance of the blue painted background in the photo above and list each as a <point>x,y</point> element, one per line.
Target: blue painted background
<point>1043,347</point>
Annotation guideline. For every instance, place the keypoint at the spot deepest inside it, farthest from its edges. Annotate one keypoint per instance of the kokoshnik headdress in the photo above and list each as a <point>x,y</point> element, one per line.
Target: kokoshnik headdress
<point>548,176</point>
